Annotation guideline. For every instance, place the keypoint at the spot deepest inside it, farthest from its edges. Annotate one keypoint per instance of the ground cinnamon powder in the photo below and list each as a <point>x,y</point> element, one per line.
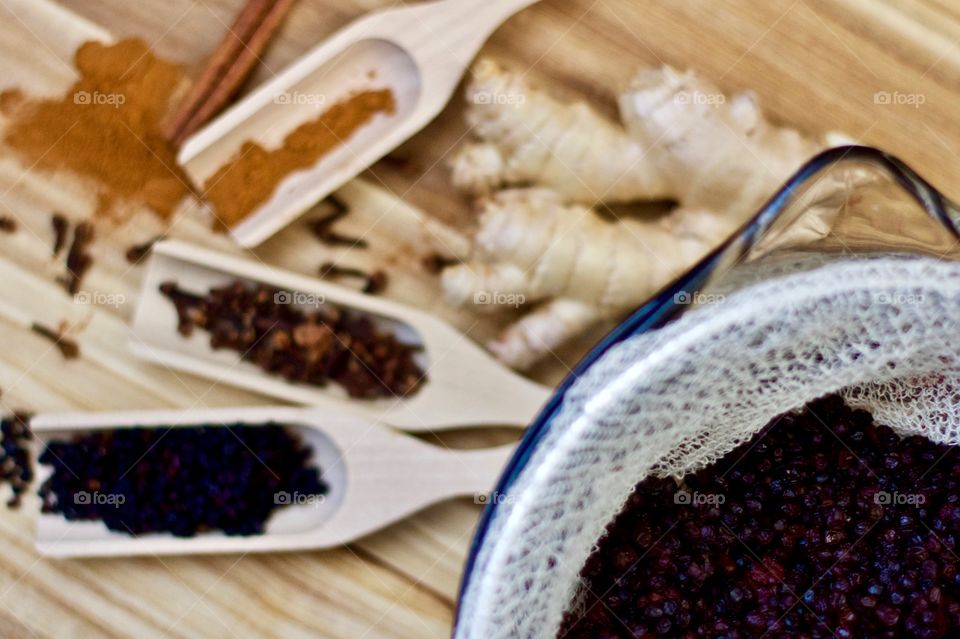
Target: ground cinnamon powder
<point>106,127</point>
<point>251,177</point>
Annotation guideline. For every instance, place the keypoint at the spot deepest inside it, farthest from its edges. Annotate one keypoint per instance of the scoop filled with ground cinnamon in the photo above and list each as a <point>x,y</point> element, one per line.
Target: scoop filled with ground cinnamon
<point>106,127</point>
<point>251,177</point>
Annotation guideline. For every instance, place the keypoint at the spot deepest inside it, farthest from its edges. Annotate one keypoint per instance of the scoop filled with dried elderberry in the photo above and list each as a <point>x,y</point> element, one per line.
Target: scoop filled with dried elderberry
<point>237,480</point>
<point>183,481</point>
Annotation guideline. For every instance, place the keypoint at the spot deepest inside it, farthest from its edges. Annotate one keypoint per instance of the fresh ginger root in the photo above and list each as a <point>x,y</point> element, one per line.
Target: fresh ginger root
<point>527,136</point>
<point>532,248</point>
<point>681,139</point>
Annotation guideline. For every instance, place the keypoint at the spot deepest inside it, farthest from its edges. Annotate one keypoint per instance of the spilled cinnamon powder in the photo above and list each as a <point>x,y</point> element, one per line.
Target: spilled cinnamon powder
<point>251,177</point>
<point>106,127</point>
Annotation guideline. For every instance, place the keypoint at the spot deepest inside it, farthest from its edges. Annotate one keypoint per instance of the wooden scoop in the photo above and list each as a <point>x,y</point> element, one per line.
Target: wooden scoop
<point>465,386</point>
<point>376,476</point>
<point>418,52</point>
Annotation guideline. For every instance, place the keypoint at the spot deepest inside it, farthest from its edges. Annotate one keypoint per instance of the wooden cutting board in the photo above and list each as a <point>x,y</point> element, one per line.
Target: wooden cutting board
<point>815,63</point>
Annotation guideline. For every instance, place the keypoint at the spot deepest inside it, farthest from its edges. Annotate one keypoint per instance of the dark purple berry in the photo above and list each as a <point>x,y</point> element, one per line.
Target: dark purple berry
<point>828,526</point>
<point>182,481</point>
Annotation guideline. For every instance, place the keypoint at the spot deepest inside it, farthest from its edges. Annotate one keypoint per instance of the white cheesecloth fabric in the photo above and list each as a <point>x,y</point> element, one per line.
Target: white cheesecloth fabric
<point>883,331</point>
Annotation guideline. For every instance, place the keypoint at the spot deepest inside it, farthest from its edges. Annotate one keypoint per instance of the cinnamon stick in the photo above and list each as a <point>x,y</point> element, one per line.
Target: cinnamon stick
<point>228,66</point>
<point>220,60</point>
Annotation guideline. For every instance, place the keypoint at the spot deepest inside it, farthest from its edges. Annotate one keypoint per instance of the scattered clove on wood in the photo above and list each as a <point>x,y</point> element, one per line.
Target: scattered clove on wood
<point>68,347</point>
<point>61,227</point>
<point>16,466</point>
<point>435,262</point>
<point>403,164</point>
<point>374,283</point>
<point>338,206</point>
<point>271,329</point>
<point>138,252</point>
<point>7,224</point>
<point>79,259</point>
<point>322,227</point>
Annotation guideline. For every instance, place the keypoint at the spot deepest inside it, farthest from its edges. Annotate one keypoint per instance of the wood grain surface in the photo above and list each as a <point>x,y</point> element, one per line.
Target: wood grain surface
<point>817,64</point>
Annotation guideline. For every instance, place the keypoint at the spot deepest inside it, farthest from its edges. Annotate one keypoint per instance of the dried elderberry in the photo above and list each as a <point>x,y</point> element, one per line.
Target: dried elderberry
<point>16,467</point>
<point>823,525</point>
<point>182,481</point>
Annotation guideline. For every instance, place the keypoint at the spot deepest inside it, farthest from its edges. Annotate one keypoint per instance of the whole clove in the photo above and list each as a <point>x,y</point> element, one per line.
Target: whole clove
<point>434,263</point>
<point>191,309</point>
<point>79,259</point>
<point>180,480</point>
<point>61,228</point>
<point>401,163</point>
<point>322,227</point>
<point>138,252</point>
<point>338,208</point>
<point>7,224</point>
<point>68,348</point>
<point>374,283</point>
<point>270,329</point>
<point>16,466</point>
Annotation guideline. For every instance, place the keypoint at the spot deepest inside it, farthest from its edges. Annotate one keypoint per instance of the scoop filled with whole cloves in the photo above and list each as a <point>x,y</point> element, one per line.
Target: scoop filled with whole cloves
<point>314,347</point>
<point>313,342</point>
